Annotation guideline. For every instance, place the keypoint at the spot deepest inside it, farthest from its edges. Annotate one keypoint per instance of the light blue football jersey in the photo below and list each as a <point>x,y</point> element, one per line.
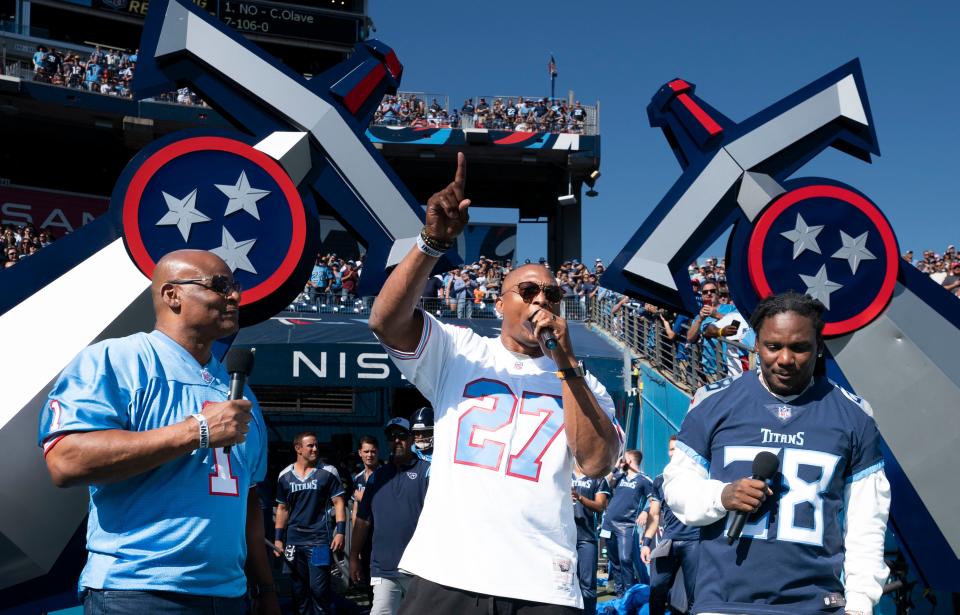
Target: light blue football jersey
<point>179,527</point>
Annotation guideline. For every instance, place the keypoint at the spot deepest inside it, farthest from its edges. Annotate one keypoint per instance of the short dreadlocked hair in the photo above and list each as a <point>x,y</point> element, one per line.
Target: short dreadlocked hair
<point>790,301</point>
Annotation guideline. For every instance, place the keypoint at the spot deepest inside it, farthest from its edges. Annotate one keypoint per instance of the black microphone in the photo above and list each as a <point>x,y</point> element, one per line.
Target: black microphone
<point>765,465</point>
<point>239,365</point>
<point>547,336</point>
<point>548,339</point>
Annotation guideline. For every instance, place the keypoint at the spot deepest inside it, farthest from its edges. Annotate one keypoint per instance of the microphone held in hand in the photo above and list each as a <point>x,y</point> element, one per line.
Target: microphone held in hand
<point>765,465</point>
<point>239,365</point>
<point>548,339</point>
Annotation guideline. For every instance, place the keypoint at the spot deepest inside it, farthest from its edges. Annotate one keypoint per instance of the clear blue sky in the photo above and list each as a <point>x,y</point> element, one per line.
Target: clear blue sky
<point>742,56</point>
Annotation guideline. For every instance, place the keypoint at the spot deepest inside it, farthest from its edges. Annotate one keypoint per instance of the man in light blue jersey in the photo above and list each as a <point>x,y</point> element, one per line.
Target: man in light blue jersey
<point>143,421</point>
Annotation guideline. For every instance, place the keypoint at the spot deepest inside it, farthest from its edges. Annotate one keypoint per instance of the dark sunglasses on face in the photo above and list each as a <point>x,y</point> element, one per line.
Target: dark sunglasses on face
<point>398,435</point>
<point>528,291</point>
<point>220,284</point>
<point>708,291</point>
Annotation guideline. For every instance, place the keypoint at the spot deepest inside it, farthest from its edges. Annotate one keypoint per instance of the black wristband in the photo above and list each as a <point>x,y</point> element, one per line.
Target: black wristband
<point>278,533</point>
<point>646,542</point>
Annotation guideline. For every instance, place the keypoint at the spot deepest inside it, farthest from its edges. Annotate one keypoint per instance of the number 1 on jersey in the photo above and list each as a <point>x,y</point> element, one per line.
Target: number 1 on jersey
<point>222,480</point>
<point>496,413</point>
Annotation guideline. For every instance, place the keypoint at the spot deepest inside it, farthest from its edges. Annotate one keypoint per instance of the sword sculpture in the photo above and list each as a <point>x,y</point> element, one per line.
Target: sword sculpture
<point>890,329</point>
<point>249,196</point>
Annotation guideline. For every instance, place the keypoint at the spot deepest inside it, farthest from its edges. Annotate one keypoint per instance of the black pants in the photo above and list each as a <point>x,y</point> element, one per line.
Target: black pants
<point>428,597</point>
<point>683,554</point>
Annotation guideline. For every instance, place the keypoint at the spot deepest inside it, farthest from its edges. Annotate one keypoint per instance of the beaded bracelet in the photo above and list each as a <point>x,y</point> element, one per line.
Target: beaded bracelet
<point>435,244</point>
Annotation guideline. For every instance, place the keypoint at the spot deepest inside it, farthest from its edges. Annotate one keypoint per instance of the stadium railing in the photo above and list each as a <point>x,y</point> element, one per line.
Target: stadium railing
<point>690,366</point>
<point>572,308</point>
<point>427,97</point>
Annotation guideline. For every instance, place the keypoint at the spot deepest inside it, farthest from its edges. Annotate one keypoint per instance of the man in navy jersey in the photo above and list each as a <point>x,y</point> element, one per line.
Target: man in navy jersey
<point>793,550</point>
<point>303,492</point>
<point>590,497</point>
<point>677,548</point>
<point>369,454</point>
<point>391,503</point>
<point>175,520</point>
<point>625,512</point>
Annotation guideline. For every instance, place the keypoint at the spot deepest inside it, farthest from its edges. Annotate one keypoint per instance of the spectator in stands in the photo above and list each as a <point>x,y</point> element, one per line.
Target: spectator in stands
<point>432,294</point>
<point>463,294</point>
<point>467,110</point>
<point>391,503</point>
<point>12,257</point>
<point>952,281</point>
<point>348,281</point>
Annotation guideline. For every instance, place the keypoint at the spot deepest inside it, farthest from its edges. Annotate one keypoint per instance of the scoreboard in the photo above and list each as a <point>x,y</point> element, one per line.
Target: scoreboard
<point>288,21</point>
<point>270,19</point>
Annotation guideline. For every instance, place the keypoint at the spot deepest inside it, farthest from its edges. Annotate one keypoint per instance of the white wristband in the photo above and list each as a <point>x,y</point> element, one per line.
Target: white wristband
<point>204,430</point>
<point>427,249</point>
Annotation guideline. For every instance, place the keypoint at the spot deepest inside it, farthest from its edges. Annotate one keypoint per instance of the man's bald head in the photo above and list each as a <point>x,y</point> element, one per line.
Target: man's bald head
<point>182,265</point>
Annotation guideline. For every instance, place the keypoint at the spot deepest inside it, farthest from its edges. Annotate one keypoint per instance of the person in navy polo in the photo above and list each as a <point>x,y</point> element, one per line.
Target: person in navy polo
<point>391,503</point>
<point>304,490</point>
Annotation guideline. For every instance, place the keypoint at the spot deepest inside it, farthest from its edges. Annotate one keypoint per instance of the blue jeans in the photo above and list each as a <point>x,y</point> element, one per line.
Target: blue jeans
<point>663,571</point>
<point>105,601</point>
<point>587,573</point>
<point>464,308</point>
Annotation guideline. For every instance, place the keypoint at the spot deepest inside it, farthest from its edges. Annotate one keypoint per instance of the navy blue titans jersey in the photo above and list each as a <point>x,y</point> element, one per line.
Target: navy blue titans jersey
<point>628,499</point>
<point>308,500</point>
<point>586,519</point>
<point>790,555</point>
<point>392,501</point>
<point>670,527</point>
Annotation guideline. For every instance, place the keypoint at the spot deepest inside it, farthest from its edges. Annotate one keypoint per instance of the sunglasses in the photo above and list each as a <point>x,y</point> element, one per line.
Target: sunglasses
<point>220,284</point>
<point>528,291</point>
<point>708,291</point>
<point>398,435</point>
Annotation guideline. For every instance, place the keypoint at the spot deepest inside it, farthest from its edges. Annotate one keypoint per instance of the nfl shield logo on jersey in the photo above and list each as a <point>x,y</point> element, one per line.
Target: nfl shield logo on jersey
<point>784,412</point>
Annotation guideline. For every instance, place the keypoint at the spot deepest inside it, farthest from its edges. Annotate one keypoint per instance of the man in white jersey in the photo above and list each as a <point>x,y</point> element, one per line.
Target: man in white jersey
<point>497,532</point>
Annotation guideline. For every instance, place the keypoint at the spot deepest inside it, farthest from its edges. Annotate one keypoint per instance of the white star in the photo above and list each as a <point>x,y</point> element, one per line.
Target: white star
<point>854,250</point>
<point>234,253</point>
<point>819,287</point>
<point>242,196</point>
<point>183,213</point>
<point>803,237</point>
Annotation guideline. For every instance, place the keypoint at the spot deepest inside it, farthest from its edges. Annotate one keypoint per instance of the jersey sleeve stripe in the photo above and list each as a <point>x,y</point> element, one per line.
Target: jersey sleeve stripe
<point>866,472</point>
<point>424,338</point>
<point>692,454</point>
<point>51,442</point>
<point>337,494</point>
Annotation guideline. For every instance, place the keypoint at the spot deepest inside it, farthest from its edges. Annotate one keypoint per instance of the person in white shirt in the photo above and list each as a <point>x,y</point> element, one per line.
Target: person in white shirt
<point>497,532</point>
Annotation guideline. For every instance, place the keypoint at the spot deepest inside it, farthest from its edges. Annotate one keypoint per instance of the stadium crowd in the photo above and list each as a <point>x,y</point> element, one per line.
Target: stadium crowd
<point>105,71</point>
<point>519,114</point>
<point>19,242</point>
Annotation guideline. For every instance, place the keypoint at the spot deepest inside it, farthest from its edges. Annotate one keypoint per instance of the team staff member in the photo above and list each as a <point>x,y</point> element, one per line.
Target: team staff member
<point>793,548</point>
<point>391,504</point>
<point>590,497</point>
<point>303,493</point>
<point>142,420</point>
<point>497,531</point>
<point>677,549</point>
<point>625,513</point>
<point>369,454</point>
